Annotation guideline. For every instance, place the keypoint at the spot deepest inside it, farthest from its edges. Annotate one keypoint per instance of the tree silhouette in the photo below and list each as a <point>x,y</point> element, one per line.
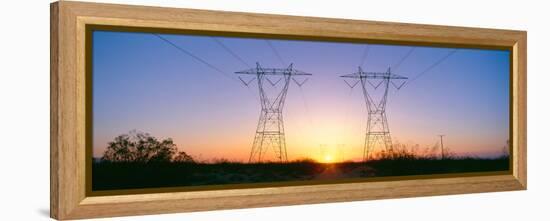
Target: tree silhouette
<point>182,157</point>
<point>140,147</point>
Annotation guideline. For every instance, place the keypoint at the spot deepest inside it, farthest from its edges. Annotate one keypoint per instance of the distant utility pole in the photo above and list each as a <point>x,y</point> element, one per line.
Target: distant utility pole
<point>270,132</point>
<point>442,149</point>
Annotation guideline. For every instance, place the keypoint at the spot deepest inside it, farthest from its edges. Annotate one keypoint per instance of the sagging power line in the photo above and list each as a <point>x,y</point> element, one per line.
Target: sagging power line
<point>275,52</point>
<point>195,57</point>
<point>365,54</point>
<point>396,66</point>
<point>432,66</point>
<point>219,42</point>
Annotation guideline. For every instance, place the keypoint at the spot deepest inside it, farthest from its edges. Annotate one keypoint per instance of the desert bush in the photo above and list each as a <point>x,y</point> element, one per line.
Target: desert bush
<point>142,148</point>
<point>403,152</point>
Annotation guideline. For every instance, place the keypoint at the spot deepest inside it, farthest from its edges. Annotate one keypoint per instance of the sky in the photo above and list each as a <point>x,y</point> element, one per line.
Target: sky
<point>143,83</point>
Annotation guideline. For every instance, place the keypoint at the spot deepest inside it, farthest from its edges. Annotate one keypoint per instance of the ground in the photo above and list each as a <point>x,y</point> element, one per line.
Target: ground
<point>115,176</point>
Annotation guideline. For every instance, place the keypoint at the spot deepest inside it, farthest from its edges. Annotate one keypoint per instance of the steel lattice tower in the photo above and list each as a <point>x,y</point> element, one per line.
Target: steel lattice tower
<point>377,124</point>
<point>270,132</point>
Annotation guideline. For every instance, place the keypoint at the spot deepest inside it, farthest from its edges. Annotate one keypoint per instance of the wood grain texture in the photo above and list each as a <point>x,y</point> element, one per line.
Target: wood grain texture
<point>520,109</point>
<point>54,116</point>
<point>68,111</point>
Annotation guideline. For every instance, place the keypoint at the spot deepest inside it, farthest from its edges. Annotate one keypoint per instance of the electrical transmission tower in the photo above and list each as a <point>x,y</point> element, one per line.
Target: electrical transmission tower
<point>377,131</point>
<point>270,132</point>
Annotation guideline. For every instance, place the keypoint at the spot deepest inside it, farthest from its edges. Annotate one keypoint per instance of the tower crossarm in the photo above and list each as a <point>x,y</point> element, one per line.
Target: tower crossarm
<point>374,75</point>
<point>272,71</point>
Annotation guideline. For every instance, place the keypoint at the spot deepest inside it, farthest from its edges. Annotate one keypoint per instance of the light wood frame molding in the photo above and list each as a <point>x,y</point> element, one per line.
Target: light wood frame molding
<point>68,109</point>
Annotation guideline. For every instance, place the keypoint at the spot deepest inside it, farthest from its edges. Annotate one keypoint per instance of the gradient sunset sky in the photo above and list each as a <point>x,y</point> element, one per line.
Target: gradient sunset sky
<point>140,82</point>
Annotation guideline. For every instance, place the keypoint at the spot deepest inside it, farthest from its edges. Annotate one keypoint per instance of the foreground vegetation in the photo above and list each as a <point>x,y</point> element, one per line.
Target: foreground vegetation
<point>127,175</point>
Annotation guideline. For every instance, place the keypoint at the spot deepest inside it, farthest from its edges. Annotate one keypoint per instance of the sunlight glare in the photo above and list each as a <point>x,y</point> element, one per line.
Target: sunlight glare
<point>328,159</point>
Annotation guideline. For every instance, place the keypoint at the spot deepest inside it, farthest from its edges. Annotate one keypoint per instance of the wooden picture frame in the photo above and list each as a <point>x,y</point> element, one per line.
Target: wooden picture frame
<point>69,198</point>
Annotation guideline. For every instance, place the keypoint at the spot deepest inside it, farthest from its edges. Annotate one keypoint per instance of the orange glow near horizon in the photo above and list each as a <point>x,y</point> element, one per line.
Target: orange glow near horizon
<point>331,149</point>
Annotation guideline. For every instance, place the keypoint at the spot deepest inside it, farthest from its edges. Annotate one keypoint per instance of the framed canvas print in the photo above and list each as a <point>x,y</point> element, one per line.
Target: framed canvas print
<point>160,110</point>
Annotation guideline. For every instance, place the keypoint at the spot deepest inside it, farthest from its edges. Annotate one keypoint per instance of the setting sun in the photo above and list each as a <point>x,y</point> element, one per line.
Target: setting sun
<point>327,159</point>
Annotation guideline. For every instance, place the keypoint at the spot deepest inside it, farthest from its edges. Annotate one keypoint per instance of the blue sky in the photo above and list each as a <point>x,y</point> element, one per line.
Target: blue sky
<point>141,82</point>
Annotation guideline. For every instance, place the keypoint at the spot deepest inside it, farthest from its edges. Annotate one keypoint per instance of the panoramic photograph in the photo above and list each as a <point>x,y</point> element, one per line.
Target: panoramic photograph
<point>185,110</point>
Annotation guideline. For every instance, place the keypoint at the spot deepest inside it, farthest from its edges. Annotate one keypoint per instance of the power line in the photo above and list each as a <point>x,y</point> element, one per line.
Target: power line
<point>362,61</point>
<point>302,95</point>
<point>276,52</point>
<point>432,66</point>
<point>228,50</point>
<point>364,56</point>
<point>403,59</point>
<point>231,52</point>
<point>195,57</point>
